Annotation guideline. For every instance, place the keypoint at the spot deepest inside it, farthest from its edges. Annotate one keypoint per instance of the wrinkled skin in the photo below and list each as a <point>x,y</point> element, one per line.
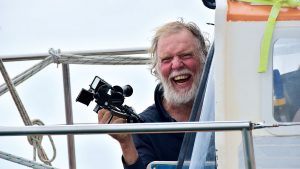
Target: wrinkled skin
<point>179,69</point>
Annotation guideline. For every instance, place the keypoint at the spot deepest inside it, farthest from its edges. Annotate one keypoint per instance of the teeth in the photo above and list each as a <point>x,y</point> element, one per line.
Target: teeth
<point>180,77</point>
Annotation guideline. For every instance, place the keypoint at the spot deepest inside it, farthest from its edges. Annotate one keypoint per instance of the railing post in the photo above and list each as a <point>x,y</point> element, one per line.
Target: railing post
<point>69,115</point>
<point>248,148</point>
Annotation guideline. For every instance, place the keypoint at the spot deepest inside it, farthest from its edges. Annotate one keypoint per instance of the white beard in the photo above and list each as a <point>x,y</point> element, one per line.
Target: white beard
<point>179,97</point>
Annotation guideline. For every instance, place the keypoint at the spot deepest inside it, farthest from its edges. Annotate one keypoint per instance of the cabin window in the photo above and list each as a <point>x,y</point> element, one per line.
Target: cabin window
<point>286,80</point>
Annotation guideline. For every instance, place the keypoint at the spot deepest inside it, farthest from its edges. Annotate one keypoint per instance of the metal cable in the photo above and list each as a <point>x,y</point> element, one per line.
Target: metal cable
<point>27,74</point>
<point>36,142</point>
<point>57,57</point>
<point>23,161</point>
<point>103,60</point>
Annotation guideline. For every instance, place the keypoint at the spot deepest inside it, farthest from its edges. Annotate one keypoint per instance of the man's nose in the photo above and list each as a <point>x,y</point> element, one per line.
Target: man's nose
<point>176,63</point>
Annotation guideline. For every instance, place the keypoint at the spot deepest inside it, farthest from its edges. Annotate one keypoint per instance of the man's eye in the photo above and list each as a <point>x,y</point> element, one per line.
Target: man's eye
<point>166,60</point>
<point>186,55</point>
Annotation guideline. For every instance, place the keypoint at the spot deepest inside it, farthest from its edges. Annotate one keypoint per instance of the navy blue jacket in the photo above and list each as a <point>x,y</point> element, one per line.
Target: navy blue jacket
<point>156,147</point>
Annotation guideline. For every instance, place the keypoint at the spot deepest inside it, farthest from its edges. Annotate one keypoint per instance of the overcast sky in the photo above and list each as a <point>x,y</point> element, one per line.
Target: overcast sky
<point>34,26</point>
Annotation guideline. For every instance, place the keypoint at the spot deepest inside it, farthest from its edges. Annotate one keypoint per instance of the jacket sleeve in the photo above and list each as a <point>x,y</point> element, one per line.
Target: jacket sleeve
<point>137,165</point>
<point>145,151</point>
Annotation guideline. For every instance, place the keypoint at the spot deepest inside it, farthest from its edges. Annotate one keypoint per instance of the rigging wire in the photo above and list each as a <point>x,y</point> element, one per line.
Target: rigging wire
<point>23,161</point>
<point>55,56</point>
<point>35,141</point>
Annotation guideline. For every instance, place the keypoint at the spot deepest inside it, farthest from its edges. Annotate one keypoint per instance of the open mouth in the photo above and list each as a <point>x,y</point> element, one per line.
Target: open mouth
<point>181,78</point>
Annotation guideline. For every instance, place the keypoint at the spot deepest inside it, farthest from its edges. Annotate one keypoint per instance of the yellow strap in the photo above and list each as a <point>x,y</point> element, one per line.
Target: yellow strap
<point>267,39</point>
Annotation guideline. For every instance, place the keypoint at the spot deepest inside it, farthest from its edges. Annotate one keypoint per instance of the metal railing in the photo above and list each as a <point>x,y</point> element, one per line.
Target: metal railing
<point>174,127</point>
<point>70,57</point>
<point>244,127</point>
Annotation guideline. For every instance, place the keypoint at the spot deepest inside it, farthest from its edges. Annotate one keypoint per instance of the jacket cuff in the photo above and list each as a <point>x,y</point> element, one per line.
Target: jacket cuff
<point>137,165</point>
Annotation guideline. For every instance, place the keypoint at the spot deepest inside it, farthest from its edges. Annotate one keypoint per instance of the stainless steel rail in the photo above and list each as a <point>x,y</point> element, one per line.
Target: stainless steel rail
<point>175,127</point>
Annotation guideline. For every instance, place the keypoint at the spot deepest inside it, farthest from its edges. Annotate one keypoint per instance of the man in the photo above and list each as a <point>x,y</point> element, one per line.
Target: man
<point>178,53</point>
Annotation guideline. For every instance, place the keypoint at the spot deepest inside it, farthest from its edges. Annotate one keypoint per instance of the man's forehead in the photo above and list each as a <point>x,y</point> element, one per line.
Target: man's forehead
<point>181,43</point>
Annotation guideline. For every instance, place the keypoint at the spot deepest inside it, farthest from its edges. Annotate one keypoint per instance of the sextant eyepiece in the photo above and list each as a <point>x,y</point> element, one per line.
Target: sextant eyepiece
<point>127,90</point>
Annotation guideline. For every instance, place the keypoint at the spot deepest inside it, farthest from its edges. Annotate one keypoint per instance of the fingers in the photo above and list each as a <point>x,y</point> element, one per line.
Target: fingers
<point>116,120</point>
<point>104,116</point>
<point>100,115</point>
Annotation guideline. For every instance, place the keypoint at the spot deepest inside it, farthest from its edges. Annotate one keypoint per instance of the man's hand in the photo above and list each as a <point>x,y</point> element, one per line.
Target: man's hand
<point>103,118</point>
<point>128,148</point>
